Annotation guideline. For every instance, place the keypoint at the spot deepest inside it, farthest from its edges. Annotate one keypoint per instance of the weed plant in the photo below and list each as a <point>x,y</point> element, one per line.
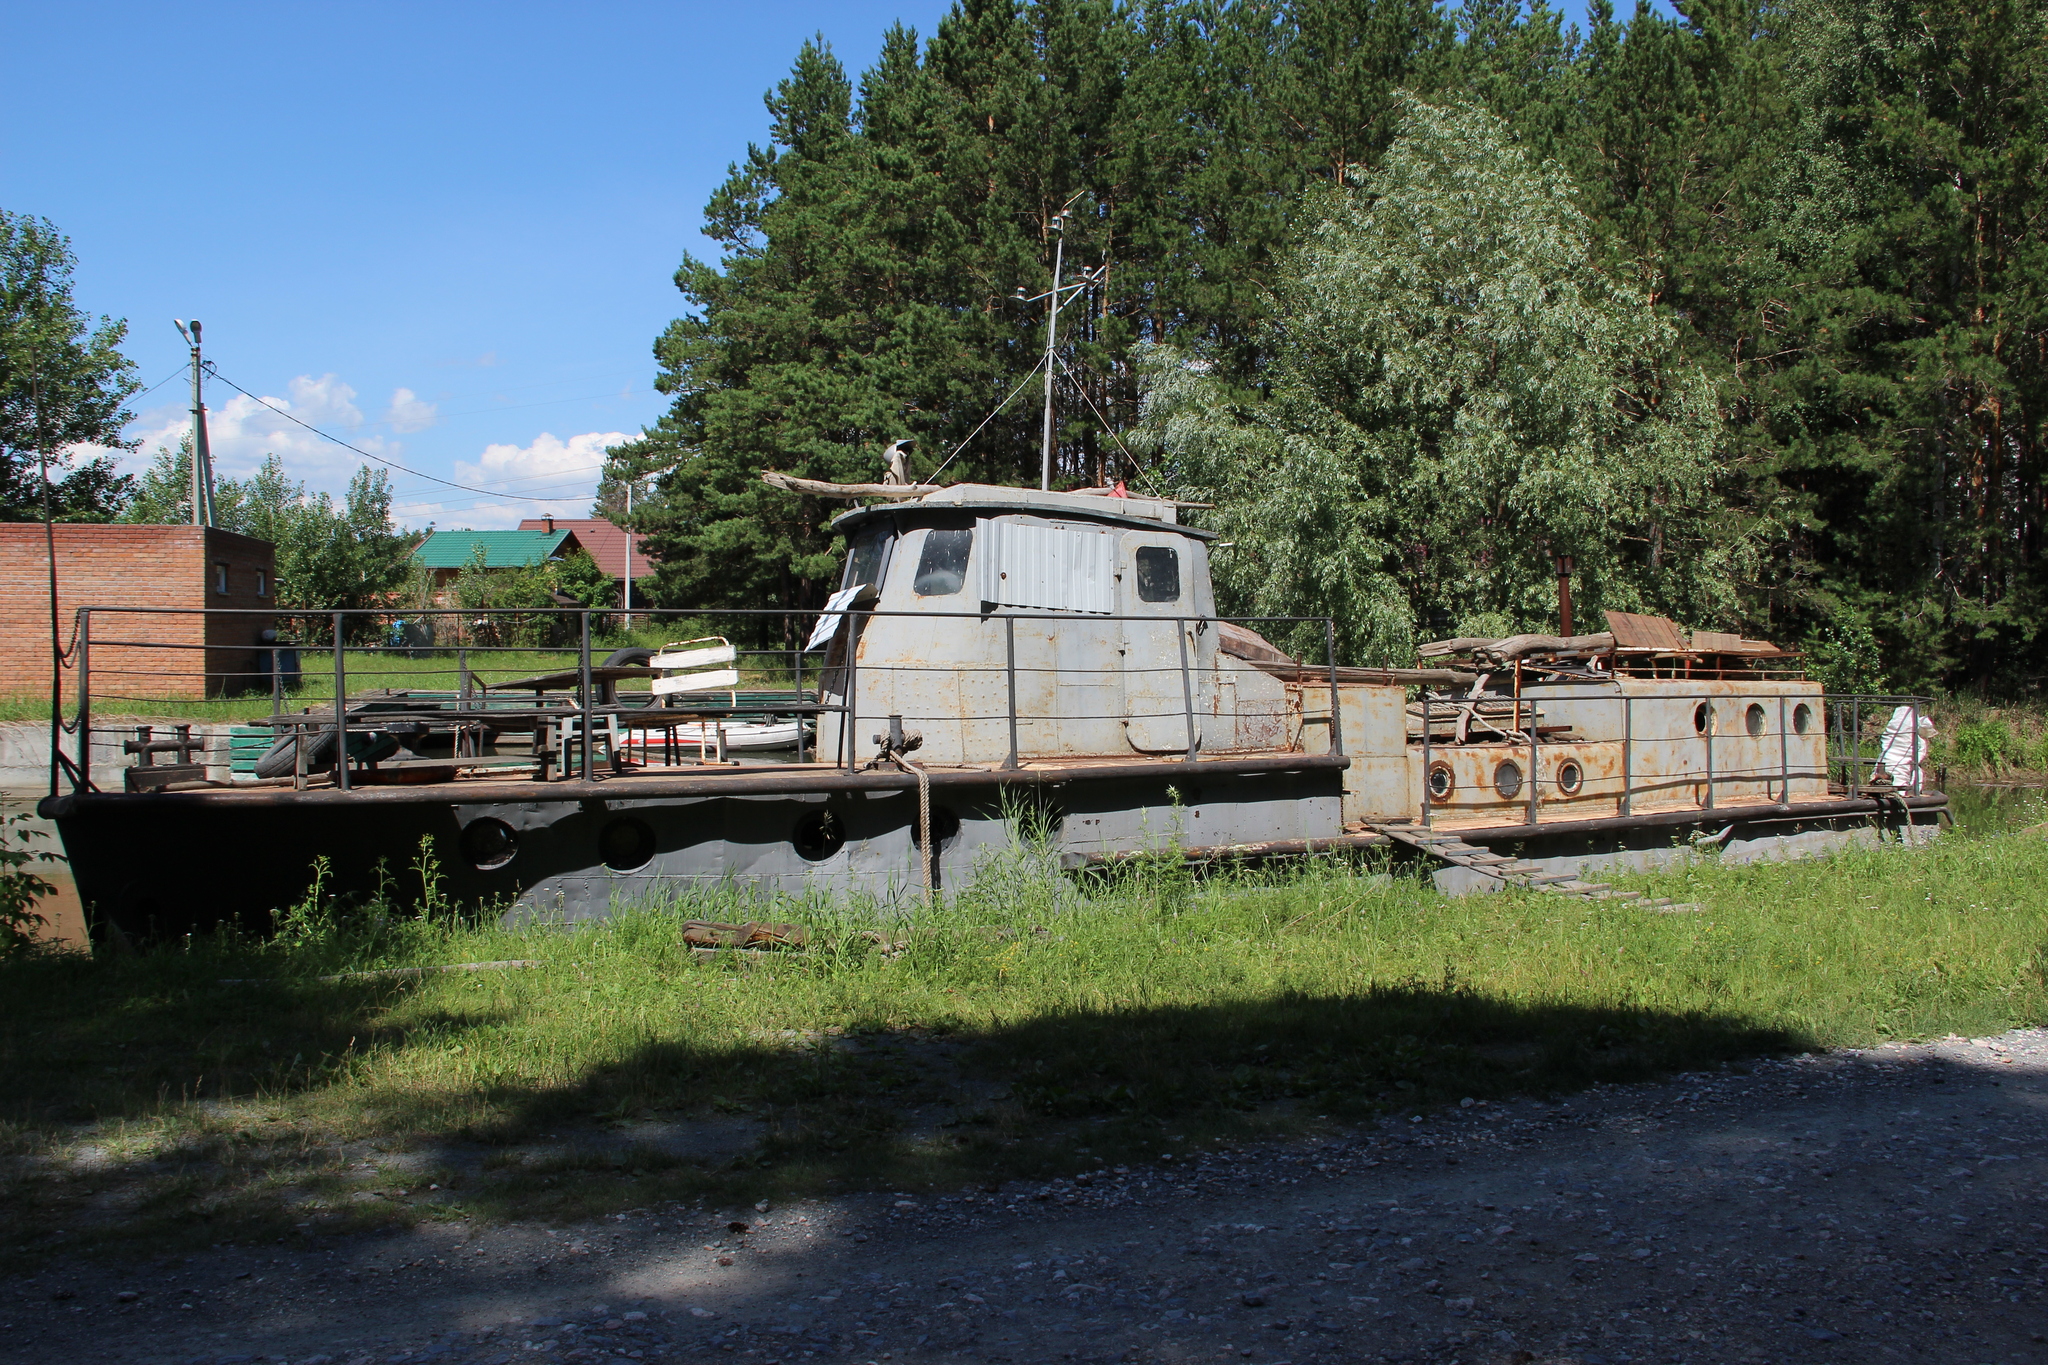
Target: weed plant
<point>1029,1023</point>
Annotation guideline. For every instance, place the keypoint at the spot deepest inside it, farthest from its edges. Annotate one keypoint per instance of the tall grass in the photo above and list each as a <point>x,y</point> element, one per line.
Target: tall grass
<point>984,1035</point>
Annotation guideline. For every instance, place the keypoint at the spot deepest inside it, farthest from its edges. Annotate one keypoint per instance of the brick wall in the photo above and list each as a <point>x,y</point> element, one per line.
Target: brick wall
<point>132,566</point>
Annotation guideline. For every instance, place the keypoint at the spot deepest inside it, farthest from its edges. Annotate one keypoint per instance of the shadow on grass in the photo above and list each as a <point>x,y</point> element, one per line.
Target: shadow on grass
<point>673,1121</point>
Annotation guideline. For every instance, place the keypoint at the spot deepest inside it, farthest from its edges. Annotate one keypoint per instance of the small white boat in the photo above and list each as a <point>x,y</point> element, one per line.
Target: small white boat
<point>740,737</point>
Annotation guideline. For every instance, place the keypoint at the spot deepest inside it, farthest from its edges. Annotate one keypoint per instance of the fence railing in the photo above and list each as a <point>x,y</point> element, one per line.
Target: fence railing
<point>460,674</point>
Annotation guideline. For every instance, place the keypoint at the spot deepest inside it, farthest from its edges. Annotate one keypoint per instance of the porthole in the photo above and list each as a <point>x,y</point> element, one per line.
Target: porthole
<point>945,827</point>
<point>1507,779</point>
<point>1570,777</point>
<point>1702,718</point>
<point>626,844</point>
<point>1753,720</point>
<point>1441,783</point>
<point>488,844</point>
<point>1802,718</point>
<point>818,836</point>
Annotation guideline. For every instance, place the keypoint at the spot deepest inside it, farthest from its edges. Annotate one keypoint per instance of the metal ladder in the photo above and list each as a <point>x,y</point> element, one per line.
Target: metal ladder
<point>1450,849</point>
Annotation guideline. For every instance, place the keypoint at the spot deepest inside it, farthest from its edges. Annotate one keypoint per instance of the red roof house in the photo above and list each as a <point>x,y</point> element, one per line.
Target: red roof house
<point>609,545</point>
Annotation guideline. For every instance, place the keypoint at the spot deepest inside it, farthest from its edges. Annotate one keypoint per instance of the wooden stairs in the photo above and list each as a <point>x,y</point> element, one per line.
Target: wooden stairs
<point>1450,849</point>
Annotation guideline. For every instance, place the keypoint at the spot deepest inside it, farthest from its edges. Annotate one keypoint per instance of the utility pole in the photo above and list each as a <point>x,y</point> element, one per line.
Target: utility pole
<point>202,454</point>
<point>628,602</point>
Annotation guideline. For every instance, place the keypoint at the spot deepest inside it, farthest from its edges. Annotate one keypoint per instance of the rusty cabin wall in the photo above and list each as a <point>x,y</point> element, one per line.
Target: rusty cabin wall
<point>1379,783</point>
<point>1663,764</point>
<point>946,675</point>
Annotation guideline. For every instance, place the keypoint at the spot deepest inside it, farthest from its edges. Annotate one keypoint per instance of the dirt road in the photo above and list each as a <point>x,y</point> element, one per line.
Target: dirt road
<point>1882,1205</point>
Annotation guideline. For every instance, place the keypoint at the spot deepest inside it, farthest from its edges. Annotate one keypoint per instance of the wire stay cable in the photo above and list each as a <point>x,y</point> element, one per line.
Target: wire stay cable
<point>933,476</point>
<point>393,464</point>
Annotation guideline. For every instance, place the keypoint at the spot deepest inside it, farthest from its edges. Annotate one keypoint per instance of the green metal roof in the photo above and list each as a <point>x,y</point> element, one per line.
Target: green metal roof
<point>502,549</point>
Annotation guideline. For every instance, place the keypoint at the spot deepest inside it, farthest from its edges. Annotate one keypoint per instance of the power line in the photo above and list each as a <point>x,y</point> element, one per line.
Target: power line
<point>159,384</point>
<point>445,483</point>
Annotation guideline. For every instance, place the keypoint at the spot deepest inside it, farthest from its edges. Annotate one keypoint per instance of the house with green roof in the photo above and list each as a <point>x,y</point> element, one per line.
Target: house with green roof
<point>446,553</point>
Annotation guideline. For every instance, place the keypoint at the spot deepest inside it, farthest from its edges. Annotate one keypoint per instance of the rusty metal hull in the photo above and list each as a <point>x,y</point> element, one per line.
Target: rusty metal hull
<point>1760,831</point>
<point>585,848</point>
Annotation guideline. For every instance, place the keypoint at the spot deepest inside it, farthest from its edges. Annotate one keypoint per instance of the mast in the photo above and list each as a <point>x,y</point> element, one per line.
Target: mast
<point>1052,332</point>
<point>1084,280</point>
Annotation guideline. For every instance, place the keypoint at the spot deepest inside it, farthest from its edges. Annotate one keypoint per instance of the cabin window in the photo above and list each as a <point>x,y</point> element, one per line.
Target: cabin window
<point>1802,718</point>
<point>942,567</point>
<point>1570,777</point>
<point>1158,573</point>
<point>1507,780</point>
<point>1753,720</point>
<point>220,578</point>
<point>870,557</point>
<point>262,583</point>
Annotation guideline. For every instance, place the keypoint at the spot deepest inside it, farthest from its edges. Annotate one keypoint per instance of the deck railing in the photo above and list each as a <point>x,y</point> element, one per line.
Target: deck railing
<point>282,672</point>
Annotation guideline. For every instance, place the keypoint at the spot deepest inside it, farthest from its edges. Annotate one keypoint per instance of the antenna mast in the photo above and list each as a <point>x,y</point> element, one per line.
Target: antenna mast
<point>202,454</point>
<point>1052,297</point>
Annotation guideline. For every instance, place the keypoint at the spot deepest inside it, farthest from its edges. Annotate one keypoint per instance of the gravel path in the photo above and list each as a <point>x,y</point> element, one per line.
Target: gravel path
<point>1879,1205</point>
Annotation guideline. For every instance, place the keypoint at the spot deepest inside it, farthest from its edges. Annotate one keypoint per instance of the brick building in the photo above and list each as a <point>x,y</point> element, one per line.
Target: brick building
<point>115,566</point>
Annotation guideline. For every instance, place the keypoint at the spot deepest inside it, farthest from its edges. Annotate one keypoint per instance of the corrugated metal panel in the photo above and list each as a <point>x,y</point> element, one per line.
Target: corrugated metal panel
<point>1026,562</point>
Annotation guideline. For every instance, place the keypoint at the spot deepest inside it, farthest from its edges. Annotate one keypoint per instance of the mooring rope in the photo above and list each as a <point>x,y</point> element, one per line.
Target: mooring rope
<point>924,819</point>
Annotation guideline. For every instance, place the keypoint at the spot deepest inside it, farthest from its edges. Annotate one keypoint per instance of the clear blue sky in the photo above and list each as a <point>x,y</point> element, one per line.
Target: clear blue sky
<point>442,231</point>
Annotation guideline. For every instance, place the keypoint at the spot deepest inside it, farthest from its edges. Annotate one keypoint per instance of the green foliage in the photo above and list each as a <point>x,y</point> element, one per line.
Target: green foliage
<point>1845,656</point>
<point>1807,239</point>
<point>869,254</point>
<point>63,382</point>
<point>1984,744</point>
<point>21,888</point>
<point>549,586</point>
<point>1457,392</point>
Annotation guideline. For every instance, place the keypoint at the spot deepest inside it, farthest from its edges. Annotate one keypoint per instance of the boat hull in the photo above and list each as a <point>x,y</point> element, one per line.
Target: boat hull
<point>160,864</point>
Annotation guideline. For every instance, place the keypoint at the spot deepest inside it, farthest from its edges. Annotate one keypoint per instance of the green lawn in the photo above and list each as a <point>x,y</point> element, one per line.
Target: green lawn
<point>976,1039</point>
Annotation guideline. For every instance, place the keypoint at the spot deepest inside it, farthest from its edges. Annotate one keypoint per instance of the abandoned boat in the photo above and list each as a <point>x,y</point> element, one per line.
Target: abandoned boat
<point>991,650</point>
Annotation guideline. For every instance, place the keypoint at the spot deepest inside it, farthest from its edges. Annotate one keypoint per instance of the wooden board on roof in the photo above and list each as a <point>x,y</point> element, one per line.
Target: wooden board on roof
<point>1659,633</point>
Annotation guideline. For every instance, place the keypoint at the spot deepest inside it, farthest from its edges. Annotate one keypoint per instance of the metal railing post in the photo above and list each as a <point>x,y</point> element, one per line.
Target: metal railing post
<point>1784,756</point>
<point>1628,752</point>
<point>85,700</point>
<point>585,699</point>
<point>1854,747</point>
<point>340,712</point>
<point>1426,794</point>
<point>1187,687</point>
<point>1336,707</point>
<point>846,728</point>
<point>1010,666</point>
<point>1535,812</point>
<point>797,668</point>
<point>1708,804</point>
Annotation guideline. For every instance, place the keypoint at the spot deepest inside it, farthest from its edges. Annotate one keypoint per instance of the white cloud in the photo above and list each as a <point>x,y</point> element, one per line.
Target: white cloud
<point>325,401</point>
<point>410,412</point>
<point>562,472</point>
<point>241,430</point>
